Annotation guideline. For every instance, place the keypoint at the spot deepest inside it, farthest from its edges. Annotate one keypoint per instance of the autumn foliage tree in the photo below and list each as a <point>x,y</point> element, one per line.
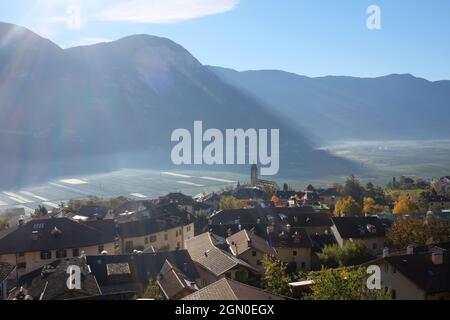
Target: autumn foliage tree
<point>371,207</point>
<point>420,231</point>
<point>347,207</point>
<point>406,205</point>
<point>276,277</point>
<point>4,223</point>
<point>349,284</point>
<point>350,254</point>
<point>154,291</point>
<point>231,203</point>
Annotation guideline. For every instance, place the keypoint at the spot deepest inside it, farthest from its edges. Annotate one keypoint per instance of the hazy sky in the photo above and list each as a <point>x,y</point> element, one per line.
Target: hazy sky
<point>310,37</point>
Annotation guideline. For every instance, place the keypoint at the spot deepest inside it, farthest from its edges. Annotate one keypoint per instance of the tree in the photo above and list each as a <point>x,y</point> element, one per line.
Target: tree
<point>276,277</point>
<point>154,291</point>
<point>41,211</point>
<point>269,191</point>
<point>354,189</point>
<point>231,203</point>
<point>371,207</point>
<point>436,186</point>
<point>420,231</point>
<point>406,205</point>
<point>347,207</point>
<point>4,224</point>
<point>344,284</point>
<point>350,254</point>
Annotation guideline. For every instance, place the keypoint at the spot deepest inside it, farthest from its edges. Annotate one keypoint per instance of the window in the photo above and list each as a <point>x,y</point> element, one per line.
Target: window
<point>166,237</point>
<point>153,239</point>
<point>101,248</point>
<point>61,254</point>
<point>178,245</point>
<point>188,228</point>
<point>46,255</point>
<point>75,252</point>
<point>146,240</point>
<point>303,265</point>
<point>374,246</point>
<point>254,253</point>
<point>22,265</point>
<point>22,254</point>
<point>177,234</point>
<point>259,263</point>
<point>294,253</point>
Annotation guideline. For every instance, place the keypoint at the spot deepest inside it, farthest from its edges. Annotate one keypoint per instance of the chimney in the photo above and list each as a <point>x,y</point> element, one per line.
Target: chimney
<point>437,258</point>
<point>35,235</point>
<point>410,249</point>
<point>386,252</point>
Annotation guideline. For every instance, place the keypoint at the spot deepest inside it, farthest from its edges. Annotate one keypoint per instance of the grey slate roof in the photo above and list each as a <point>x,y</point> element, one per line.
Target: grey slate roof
<point>361,227</point>
<point>150,226</point>
<point>420,269</point>
<point>71,234</point>
<point>143,267</point>
<point>50,282</point>
<point>5,270</point>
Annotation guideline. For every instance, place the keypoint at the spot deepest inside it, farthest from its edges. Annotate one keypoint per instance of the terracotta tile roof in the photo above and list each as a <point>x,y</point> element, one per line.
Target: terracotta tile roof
<point>244,241</point>
<point>226,289</point>
<point>173,282</point>
<point>203,250</point>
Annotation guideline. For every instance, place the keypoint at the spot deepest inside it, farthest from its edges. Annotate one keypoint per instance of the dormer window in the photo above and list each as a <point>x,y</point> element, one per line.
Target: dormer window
<point>61,254</point>
<point>46,255</point>
<point>371,229</point>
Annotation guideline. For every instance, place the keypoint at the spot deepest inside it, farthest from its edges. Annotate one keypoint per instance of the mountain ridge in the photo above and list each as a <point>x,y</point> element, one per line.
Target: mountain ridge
<point>60,106</point>
<point>388,107</point>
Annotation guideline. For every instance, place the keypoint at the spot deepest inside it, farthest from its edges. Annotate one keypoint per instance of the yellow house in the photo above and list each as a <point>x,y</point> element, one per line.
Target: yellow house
<point>164,233</point>
<point>293,247</point>
<point>214,263</point>
<point>250,248</point>
<point>40,242</point>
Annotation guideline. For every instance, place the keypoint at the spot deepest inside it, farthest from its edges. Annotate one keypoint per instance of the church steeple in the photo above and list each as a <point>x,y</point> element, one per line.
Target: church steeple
<point>254,175</point>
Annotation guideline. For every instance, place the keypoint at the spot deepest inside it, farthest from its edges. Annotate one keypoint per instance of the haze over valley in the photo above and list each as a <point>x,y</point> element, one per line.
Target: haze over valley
<point>105,107</point>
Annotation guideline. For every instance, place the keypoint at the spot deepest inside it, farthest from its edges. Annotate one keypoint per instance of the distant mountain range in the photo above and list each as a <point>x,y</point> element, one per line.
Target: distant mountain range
<point>115,105</point>
<point>341,108</point>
